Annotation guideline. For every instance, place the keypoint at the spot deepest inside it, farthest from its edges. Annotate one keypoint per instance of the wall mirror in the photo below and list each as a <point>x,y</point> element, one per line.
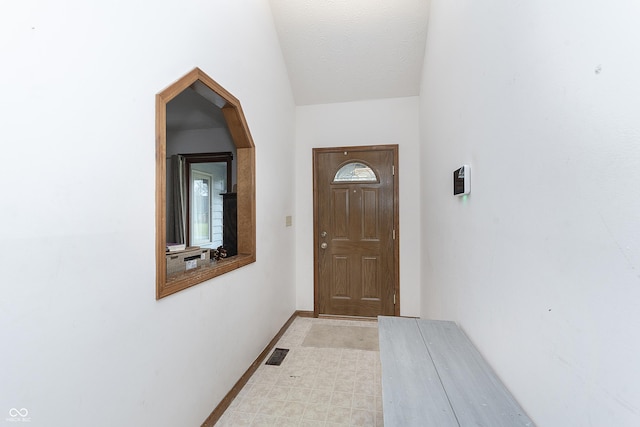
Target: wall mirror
<point>205,184</point>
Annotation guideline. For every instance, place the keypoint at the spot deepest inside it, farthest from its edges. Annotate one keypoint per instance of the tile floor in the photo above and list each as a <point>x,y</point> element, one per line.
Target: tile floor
<point>312,386</point>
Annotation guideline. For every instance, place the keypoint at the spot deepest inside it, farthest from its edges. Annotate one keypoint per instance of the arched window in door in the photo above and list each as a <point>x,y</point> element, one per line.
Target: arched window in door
<point>355,172</point>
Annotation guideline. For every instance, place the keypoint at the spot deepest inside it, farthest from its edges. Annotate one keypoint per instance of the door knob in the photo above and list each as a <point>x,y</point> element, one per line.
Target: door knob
<point>323,245</point>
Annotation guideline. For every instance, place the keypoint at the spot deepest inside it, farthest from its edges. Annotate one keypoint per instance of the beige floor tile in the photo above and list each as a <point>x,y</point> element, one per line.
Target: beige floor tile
<point>327,371</point>
<point>320,396</point>
<point>364,387</point>
<point>306,381</point>
<point>362,418</point>
<point>379,403</point>
<point>287,422</point>
<point>313,386</point>
<point>315,412</point>
<point>371,356</point>
<point>286,381</point>
<point>261,420</point>
<point>341,399</point>
<point>278,393</point>
<point>267,379</point>
<point>333,357</point>
<point>350,355</point>
<point>348,366</point>
<point>324,383</point>
<point>298,394</point>
<point>272,407</point>
<point>365,375</point>
<point>241,419</point>
<point>345,386</point>
<point>310,370</point>
<point>249,405</point>
<point>258,391</point>
<point>224,420</point>
<point>245,390</point>
<point>364,401</point>
<point>293,410</point>
<point>234,403</point>
<point>312,363</point>
<point>339,415</point>
<point>347,375</point>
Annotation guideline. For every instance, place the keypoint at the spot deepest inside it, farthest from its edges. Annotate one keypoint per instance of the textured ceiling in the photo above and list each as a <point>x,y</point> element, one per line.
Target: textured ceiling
<point>350,50</point>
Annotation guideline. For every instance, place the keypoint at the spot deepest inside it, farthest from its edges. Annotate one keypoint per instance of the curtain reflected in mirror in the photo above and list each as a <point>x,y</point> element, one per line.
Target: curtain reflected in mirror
<point>176,226</point>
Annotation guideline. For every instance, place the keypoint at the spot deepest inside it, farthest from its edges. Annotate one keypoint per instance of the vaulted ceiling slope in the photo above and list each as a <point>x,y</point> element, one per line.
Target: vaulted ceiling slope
<point>351,50</point>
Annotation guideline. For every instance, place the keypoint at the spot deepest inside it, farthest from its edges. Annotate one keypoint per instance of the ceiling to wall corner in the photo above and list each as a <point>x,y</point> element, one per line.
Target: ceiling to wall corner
<point>352,50</point>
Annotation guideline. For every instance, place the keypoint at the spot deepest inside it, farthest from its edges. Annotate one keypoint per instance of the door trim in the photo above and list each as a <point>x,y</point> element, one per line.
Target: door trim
<point>396,220</point>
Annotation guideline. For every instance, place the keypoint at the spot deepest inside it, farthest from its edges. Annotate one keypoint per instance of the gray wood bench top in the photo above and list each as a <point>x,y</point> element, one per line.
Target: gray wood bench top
<point>432,375</point>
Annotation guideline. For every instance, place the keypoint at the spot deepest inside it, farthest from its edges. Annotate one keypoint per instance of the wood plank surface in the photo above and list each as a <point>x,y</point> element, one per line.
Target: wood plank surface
<point>476,394</point>
<point>411,390</point>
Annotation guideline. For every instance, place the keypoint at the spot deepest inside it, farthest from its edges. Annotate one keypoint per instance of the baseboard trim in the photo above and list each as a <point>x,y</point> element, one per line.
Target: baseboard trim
<point>226,401</point>
<point>305,313</point>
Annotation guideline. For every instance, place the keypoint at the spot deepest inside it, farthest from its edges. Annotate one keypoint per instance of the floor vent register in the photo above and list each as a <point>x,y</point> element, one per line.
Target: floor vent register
<point>277,356</point>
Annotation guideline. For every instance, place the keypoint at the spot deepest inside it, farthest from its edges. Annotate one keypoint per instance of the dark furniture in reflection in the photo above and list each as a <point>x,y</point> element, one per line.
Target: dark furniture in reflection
<point>230,223</point>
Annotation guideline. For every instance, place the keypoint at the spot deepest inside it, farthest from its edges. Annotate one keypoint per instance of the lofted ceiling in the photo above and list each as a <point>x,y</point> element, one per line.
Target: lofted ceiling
<point>335,51</point>
<point>351,50</point>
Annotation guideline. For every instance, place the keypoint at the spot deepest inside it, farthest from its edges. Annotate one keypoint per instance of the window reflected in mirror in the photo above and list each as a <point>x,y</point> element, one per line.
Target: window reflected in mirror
<point>196,186</point>
<point>202,207</point>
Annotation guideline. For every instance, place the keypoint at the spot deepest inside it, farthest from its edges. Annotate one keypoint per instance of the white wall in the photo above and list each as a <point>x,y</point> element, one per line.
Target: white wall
<point>84,342</point>
<point>540,265</point>
<point>386,121</point>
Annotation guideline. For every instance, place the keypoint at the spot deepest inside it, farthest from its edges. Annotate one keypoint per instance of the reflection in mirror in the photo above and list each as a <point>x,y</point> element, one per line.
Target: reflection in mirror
<point>200,171</point>
<point>196,187</point>
<point>206,227</point>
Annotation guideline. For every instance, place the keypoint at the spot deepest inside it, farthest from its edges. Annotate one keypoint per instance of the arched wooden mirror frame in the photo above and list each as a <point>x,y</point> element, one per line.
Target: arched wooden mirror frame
<point>239,130</point>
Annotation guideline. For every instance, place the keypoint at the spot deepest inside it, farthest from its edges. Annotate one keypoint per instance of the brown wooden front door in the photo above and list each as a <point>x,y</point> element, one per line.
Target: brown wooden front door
<point>355,226</point>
